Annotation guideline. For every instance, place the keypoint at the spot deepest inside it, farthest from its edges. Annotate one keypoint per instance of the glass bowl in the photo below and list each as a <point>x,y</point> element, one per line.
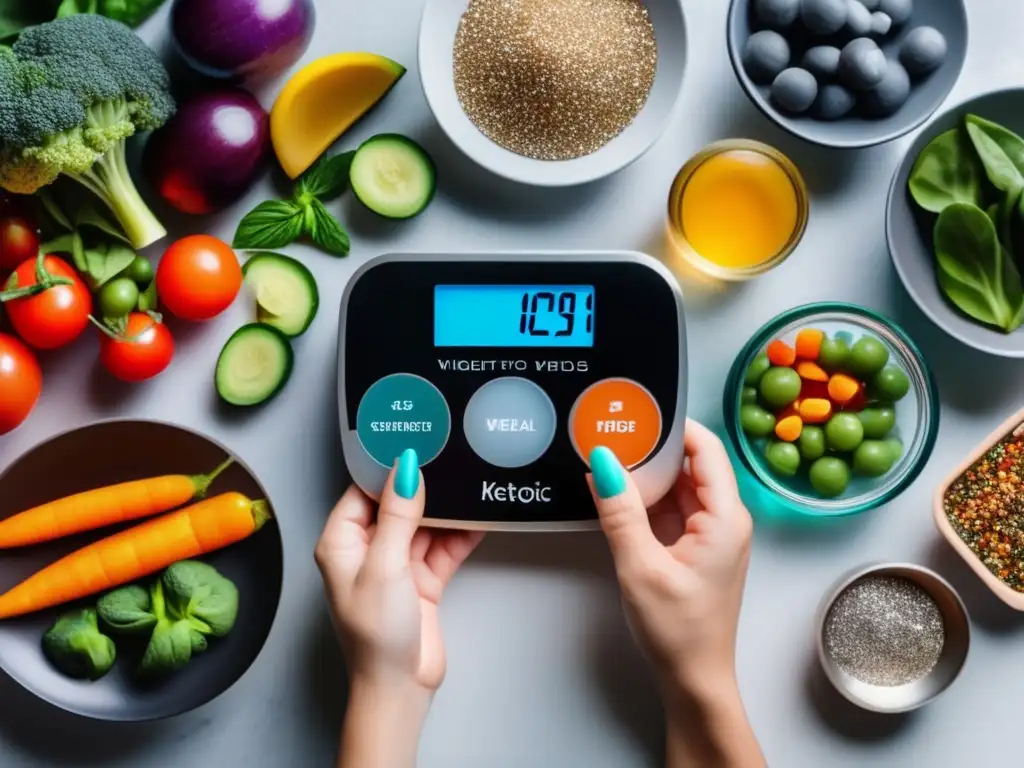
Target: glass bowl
<point>917,414</point>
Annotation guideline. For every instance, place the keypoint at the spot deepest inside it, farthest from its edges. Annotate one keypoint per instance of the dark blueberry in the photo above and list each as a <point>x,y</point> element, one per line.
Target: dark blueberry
<point>795,90</point>
<point>822,61</point>
<point>862,64</point>
<point>891,94</point>
<point>923,51</point>
<point>765,55</point>
<point>833,102</point>
<point>824,17</point>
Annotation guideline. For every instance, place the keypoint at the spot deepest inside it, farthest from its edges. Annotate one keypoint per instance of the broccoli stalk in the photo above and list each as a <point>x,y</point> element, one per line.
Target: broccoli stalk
<point>71,92</point>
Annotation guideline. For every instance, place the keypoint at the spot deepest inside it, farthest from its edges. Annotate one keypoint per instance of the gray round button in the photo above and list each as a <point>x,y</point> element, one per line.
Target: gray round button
<point>510,422</point>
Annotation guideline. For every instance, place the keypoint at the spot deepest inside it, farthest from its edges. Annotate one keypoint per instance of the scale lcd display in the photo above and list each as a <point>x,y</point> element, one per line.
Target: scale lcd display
<point>514,316</point>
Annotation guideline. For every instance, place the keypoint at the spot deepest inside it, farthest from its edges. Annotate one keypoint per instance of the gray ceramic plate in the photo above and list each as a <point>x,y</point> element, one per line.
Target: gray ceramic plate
<point>908,230</point>
<point>112,452</point>
<point>948,16</point>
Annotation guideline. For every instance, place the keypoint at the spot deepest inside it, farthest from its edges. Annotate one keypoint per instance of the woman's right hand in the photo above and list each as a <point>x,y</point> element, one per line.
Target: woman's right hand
<point>682,568</point>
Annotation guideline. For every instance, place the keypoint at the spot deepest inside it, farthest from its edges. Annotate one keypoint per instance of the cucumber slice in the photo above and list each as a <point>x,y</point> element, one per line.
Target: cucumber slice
<point>254,365</point>
<point>286,293</point>
<point>393,176</point>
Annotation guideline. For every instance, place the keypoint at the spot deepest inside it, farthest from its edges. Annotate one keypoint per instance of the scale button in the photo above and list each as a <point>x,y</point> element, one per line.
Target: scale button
<point>510,422</point>
<point>619,414</point>
<point>403,411</point>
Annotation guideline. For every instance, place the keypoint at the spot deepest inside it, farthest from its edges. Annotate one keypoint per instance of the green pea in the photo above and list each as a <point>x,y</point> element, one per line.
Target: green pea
<point>877,420</point>
<point>867,357</point>
<point>833,354</point>
<point>843,432</point>
<point>748,396</point>
<point>756,370</point>
<point>891,384</point>
<point>756,421</point>
<point>780,386</point>
<point>873,458</point>
<point>117,298</point>
<point>812,443</point>
<point>830,476</point>
<point>783,458</point>
<point>896,446</point>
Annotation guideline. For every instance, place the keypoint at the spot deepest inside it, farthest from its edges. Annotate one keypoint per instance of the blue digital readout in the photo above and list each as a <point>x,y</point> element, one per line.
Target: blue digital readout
<point>514,316</point>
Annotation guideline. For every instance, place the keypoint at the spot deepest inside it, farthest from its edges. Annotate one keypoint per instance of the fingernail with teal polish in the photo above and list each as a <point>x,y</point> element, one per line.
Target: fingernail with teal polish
<point>407,475</point>
<point>609,477</point>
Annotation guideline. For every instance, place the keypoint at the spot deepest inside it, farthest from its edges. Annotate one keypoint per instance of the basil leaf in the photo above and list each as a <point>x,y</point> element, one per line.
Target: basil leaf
<point>326,231</point>
<point>105,262</point>
<point>947,171</point>
<point>975,273</point>
<point>88,216</point>
<point>327,179</point>
<point>273,224</point>
<point>78,252</point>
<point>1001,152</point>
<point>148,298</point>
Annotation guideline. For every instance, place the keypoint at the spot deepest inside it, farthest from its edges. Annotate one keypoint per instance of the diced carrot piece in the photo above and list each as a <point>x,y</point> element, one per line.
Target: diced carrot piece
<point>842,388</point>
<point>789,428</point>
<point>815,410</point>
<point>808,343</point>
<point>811,371</point>
<point>780,353</point>
<point>810,388</point>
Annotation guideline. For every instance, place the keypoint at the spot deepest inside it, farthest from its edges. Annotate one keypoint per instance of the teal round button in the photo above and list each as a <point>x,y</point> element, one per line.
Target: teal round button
<point>399,412</point>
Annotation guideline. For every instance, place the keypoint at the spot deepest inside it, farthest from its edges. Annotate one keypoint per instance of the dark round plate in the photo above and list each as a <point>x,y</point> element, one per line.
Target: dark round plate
<point>113,452</point>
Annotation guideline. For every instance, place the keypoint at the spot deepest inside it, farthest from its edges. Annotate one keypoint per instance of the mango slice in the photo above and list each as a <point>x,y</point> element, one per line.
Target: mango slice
<point>323,100</point>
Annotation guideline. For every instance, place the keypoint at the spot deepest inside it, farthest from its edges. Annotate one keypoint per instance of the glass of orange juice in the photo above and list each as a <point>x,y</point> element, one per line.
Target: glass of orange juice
<point>737,209</point>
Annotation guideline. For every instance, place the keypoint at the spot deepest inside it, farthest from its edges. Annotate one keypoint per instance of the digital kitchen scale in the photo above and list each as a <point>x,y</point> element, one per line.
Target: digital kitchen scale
<point>503,371</point>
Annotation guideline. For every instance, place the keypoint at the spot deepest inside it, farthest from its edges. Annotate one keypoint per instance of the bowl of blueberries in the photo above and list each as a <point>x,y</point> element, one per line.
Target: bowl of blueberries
<point>847,73</point>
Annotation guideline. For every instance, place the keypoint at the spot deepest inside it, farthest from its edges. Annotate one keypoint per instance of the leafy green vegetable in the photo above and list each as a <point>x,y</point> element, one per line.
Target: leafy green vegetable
<point>128,610</point>
<point>76,647</point>
<point>277,223</point>
<point>1001,152</point>
<point>975,272</point>
<point>188,603</point>
<point>947,171</point>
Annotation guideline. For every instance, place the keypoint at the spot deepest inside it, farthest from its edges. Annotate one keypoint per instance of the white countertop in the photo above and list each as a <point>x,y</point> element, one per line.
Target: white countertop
<point>542,671</point>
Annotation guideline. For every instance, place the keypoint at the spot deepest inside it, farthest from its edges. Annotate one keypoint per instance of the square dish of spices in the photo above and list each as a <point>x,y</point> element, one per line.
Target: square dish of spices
<point>979,509</point>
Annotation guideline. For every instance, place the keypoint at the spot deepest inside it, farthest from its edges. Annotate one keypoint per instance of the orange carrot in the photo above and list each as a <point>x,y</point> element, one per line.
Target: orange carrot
<point>808,343</point>
<point>140,551</point>
<point>815,410</point>
<point>780,353</point>
<point>842,388</point>
<point>811,371</point>
<point>104,506</point>
<point>789,428</point>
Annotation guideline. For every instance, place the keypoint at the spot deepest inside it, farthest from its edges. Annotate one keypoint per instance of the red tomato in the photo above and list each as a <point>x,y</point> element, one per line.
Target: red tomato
<point>145,351</point>
<point>21,382</point>
<point>19,241</point>
<point>198,277</point>
<point>55,317</point>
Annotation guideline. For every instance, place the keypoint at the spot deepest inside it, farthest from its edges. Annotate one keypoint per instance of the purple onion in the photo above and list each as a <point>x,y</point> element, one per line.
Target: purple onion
<point>210,152</point>
<point>242,38</point>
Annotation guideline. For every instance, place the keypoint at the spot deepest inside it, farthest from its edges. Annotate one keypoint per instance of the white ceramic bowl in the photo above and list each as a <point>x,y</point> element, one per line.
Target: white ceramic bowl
<point>437,38</point>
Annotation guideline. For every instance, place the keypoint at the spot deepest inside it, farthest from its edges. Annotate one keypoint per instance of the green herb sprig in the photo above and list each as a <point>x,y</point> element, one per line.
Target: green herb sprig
<point>277,223</point>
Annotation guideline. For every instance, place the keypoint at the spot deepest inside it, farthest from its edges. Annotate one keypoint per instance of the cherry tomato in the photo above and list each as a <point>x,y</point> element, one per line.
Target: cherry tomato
<point>19,241</point>
<point>145,351</point>
<point>21,382</point>
<point>198,277</point>
<point>55,317</point>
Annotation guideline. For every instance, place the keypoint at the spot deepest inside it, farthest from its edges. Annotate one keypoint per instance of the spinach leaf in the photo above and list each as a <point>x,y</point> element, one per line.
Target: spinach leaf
<point>105,262</point>
<point>1001,152</point>
<point>947,171</point>
<point>975,273</point>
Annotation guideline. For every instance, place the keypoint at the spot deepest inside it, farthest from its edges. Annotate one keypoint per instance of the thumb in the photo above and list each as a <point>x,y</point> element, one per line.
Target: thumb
<point>400,513</point>
<point>620,509</point>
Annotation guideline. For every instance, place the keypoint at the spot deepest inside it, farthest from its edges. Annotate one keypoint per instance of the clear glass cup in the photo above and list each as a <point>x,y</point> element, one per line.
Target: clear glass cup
<point>677,230</point>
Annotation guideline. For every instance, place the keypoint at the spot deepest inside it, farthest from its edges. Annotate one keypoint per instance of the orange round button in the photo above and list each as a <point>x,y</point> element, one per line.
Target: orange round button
<point>618,414</point>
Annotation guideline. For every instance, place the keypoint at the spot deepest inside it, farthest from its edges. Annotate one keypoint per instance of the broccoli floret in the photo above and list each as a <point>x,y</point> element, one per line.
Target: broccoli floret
<point>128,610</point>
<point>76,647</point>
<point>71,92</point>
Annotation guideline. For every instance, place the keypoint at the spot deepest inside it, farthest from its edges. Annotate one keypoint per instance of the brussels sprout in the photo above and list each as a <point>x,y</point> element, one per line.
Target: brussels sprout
<point>76,647</point>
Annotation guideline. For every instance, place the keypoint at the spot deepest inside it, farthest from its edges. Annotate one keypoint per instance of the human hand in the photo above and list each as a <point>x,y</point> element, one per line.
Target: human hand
<point>384,579</point>
<point>682,567</point>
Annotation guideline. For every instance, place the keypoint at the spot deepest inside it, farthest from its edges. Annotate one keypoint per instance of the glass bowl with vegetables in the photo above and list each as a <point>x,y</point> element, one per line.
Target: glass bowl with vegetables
<point>832,409</point>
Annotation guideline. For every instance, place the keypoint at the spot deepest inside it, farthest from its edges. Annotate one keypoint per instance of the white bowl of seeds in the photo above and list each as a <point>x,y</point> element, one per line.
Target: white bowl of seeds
<point>552,93</point>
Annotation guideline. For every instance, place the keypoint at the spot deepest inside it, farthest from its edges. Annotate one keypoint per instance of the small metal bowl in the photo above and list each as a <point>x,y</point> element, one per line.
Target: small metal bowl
<point>902,698</point>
